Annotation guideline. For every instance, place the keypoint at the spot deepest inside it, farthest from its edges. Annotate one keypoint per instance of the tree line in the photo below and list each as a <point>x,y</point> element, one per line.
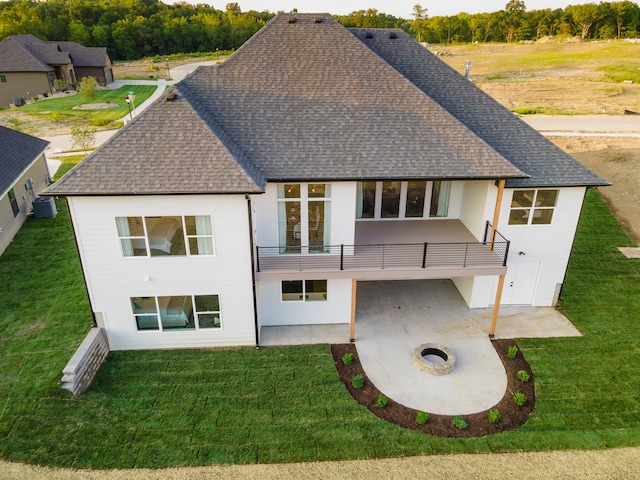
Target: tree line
<point>512,24</point>
<point>132,29</point>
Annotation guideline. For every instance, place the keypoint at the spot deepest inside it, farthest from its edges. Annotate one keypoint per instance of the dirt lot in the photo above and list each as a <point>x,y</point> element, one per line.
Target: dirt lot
<point>617,160</point>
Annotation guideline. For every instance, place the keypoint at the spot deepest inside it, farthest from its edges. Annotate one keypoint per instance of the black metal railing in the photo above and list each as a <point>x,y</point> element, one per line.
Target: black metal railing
<point>385,256</point>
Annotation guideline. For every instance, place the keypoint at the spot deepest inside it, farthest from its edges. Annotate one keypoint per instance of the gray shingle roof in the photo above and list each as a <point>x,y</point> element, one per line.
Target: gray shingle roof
<point>524,147</point>
<point>307,99</point>
<point>172,147</point>
<point>299,101</point>
<point>17,152</point>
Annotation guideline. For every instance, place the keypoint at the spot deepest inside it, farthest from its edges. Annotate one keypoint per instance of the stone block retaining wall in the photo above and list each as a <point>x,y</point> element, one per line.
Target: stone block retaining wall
<point>83,366</point>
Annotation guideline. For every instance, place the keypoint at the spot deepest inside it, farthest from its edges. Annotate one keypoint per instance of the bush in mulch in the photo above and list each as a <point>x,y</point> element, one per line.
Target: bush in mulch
<point>478,424</point>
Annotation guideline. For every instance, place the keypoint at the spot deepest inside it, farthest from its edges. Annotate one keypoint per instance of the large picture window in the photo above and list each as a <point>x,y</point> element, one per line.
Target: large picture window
<point>402,200</point>
<point>178,312</point>
<point>304,290</point>
<point>304,217</point>
<point>162,236</point>
<point>532,207</point>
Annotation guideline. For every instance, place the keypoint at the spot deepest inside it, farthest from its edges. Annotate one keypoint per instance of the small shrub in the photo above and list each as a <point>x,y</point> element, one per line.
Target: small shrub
<point>519,397</point>
<point>494,416</point>
<point>512,352</point>
<point>381,402</point>
<point>459,422</point>
<point>100,122</point>
<point>422,418</point>
<point>523,375</point>
<point>347,358</point>
<point>357,381</point>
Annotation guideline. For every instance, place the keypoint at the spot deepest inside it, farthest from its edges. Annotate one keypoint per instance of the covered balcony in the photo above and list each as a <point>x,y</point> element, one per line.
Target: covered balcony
<point>392,249</point>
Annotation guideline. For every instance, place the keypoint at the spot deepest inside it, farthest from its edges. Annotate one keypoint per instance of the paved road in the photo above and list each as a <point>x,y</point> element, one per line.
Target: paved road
<point>586,125</point>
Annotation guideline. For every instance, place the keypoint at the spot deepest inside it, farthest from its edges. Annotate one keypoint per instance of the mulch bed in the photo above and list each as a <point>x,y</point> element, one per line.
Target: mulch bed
<point>511,416</point>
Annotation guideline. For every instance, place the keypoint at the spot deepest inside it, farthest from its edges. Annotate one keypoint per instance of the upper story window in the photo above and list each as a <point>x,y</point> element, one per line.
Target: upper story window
<point>163,236</point>
<point>177,312</point>
<point>3,78</point>
<point>304,217</point>
<point>395,199</point>
<point>532,207</point>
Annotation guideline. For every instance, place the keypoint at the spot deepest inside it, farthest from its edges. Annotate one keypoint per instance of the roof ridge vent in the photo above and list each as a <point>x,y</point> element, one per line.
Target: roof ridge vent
<point>368,35</point>
<point>393,34</point>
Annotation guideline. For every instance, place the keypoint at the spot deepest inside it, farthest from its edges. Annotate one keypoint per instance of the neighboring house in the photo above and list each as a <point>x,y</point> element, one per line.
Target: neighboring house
<point>30,66</point>
<point>260,191</point>
<point>23,174</point>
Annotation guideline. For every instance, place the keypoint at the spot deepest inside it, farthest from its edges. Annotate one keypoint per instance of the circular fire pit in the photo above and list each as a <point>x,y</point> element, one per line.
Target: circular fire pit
<point>434,359</point>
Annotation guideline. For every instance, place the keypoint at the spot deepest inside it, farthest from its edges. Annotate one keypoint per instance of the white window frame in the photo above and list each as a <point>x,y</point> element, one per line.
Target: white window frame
<point>186,237</point>
<point>402,212</point>
<point>532,209</point>
<point>196,314</point>
<point>304,296</point>
<point>303,200</point>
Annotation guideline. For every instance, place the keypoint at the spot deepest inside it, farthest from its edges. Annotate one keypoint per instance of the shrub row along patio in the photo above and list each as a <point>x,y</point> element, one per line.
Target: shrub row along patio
<point>286,404</point>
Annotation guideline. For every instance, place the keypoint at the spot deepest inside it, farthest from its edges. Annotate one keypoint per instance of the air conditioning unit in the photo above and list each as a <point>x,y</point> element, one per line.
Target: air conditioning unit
<point>44,207</point>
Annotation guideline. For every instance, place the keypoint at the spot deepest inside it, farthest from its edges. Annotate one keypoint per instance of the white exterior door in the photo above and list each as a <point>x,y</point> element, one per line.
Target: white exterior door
<point>520,283</point>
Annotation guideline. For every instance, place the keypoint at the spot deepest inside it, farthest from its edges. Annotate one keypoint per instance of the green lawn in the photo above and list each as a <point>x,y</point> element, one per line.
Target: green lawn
<point>68,162</point>
<point>196,407</point>
<point>61,108</point>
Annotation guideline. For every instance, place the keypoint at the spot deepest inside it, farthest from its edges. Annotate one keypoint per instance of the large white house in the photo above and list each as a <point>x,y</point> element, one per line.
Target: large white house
<point>259,192</point>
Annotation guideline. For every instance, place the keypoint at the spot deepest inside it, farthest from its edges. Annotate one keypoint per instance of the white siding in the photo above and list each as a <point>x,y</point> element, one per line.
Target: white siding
<point>478,205</point>
<point>273,311</point>
<point>113,279</point>
<point>10,224</point>
<point>547,245</point>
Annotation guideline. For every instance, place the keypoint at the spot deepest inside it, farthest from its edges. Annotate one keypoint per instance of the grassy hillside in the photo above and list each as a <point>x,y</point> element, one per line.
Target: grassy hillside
<point>554,78</point>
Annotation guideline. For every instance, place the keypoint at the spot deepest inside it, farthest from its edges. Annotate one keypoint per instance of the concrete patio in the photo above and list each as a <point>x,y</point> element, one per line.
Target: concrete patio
<point>393,317</point>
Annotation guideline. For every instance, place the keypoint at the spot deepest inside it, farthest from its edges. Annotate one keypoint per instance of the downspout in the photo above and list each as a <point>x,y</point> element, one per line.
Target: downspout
<point>253,272</point>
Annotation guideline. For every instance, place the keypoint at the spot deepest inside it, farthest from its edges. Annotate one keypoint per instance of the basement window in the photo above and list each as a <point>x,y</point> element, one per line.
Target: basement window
<point>304,290</point>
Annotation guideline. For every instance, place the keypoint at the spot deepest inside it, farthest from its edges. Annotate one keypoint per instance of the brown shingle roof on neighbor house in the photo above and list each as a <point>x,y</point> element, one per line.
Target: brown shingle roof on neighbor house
<point>304,99</point>
<point>49,53</point>
<point>15,56</point>
<point>82,56</point>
